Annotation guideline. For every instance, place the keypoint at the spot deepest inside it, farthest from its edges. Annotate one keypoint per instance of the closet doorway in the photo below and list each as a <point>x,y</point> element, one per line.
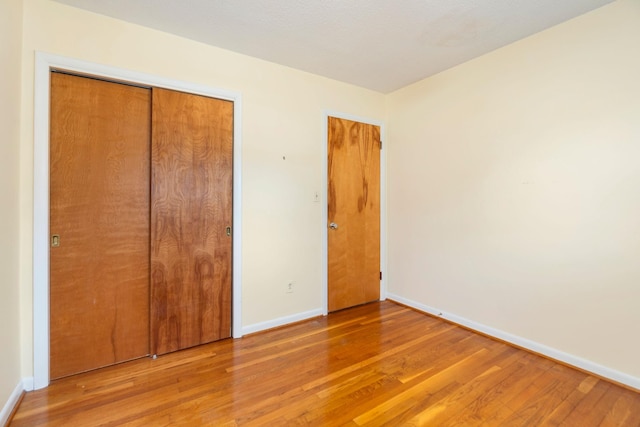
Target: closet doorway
<point>141,186</point>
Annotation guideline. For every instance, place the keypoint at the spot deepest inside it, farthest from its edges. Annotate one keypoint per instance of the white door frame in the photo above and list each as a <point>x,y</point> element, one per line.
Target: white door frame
<point>44,64</point>
<point>325,214</point>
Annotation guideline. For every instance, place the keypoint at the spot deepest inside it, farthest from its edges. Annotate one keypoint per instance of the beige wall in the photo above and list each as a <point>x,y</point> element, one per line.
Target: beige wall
<point>282,117</point>
<point>10,51</point>
<point>514,189</point>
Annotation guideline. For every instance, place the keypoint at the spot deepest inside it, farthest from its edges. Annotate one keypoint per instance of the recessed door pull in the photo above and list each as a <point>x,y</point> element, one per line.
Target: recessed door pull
<point>55,240</point>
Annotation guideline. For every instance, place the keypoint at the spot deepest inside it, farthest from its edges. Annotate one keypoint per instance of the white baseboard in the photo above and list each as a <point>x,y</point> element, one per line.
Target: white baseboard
<point>12,402</point>
<point>28,384</point>
<point>552,353</point>
<point>281,321</point>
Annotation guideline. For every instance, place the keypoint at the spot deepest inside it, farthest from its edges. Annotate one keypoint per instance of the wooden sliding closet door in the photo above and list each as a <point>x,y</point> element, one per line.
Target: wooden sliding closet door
<point>99,222</point>
<point>191,218</point>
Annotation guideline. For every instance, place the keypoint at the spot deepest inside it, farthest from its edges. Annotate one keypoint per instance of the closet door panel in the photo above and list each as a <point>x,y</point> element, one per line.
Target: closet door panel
<point>100,136</point>
<point>191,216</point>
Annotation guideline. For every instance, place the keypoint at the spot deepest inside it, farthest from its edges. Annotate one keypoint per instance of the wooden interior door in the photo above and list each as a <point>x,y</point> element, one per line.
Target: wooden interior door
<point>99,221</point>
<point>191,216</point>
<point>353,213</point>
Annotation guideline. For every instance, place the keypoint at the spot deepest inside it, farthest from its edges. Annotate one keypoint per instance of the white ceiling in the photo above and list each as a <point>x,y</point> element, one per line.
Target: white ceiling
<point>378,44</point>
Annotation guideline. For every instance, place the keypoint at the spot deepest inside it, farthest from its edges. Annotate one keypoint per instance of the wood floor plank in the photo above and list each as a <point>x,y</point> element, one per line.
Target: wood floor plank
<point>553,387</point>
<point>380,364</point>
<point>456,404</point>
<point>432,411</point>
<point>434,382</point>
<point>597,397</point>
<point>558,416</point>
<point>490,404</point>
<point>622,413</point>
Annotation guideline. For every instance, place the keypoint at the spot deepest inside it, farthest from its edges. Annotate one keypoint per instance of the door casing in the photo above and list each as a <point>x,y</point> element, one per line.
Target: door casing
<point>324,199</point>
<point>40,268</point>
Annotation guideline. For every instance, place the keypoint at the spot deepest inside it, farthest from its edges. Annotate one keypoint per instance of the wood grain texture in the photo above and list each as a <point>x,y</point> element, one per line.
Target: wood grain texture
<point>99,205</point>
<point>191,207</point>
<point>379,364</point>
<point>353,204</point>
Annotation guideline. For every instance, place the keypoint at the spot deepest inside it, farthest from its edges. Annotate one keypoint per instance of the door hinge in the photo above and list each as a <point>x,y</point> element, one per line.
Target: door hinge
<point>381,275</point>
<point>381,144</point>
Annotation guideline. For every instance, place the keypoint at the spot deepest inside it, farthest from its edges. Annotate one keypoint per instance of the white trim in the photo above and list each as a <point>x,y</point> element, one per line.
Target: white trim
<point>542,349</point>
<point>11,403</point>
<point>27,383</point>
<point>237,219</point>
<point>383,203</point>
<point>281,321</point>
<point>44,63</point>
<point>41,223</point>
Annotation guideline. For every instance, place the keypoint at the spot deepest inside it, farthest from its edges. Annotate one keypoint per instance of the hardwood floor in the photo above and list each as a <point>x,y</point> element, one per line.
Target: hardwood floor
<point>378,364</point>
